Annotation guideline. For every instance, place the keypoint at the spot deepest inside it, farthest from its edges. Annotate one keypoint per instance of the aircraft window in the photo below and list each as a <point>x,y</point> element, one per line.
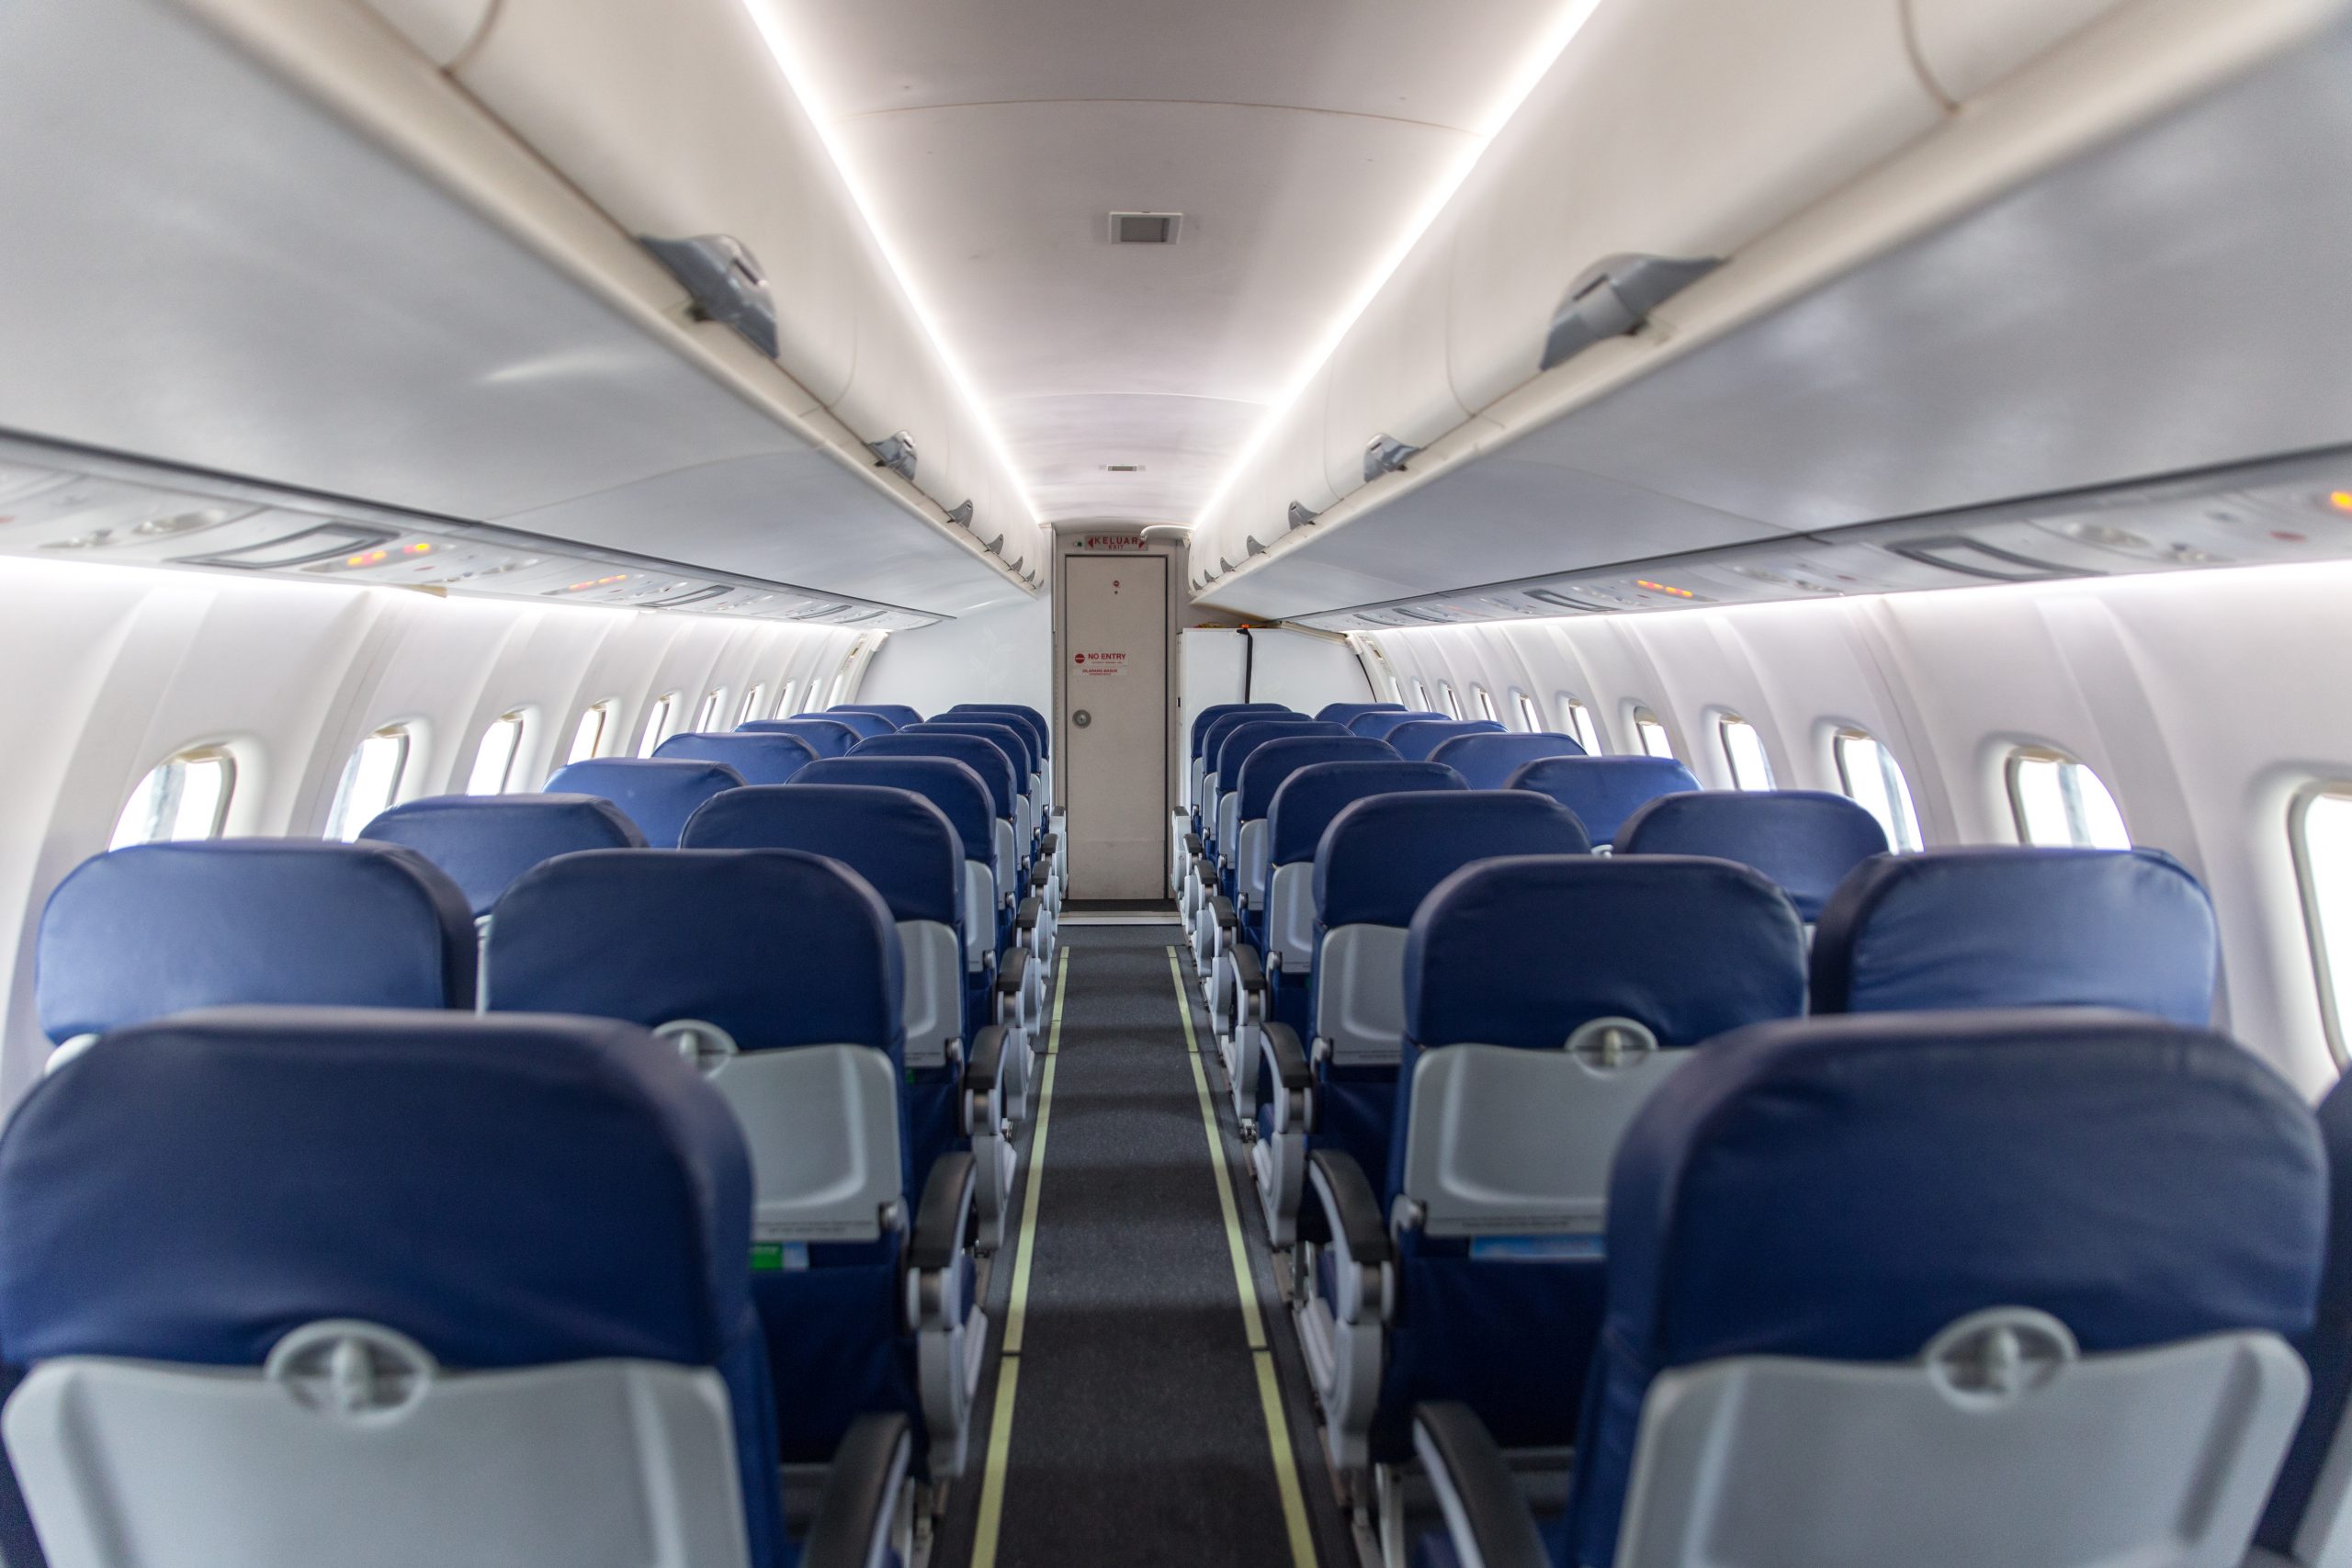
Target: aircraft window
<point>494,767</point>
<point>751,700</point>
<point>1873,780</point>
<point>186,797</point>
<point>1529,719</point>
<point>1486,705</point>
<point>1744,749</point>
<point>588,735</point>
<point>784,702</point>
<point>371,782</point>
<point>657,724</point>
<point>2321,830</point>
<point>707,716</point>
<point>1580,725</point>
<point>1650,730</point>
<point>2059,801</point>
<point>1421,696</point>
<point>1447,701</point>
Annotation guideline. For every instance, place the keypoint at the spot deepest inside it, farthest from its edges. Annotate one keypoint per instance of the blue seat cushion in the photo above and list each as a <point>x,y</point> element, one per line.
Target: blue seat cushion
<point>828,735</point>
<point>1203,721</point>
<point>1381,855</point>
<point>866,721</point>
<point>1486,760</point>
<point>1307,801</point>
<point>899,843</point>
<point>1381,722</point>
<point>899,714</point>
<point>1416,738</point>
<point>485,842</point>
<point>1234,749</point>
<point>1268,767</point>
<point>760,757</point>
<point>960,793</point>
<point>1806,840</point>
<point>657,793</point>
<point>983,756</point>
<point>1602,791</point>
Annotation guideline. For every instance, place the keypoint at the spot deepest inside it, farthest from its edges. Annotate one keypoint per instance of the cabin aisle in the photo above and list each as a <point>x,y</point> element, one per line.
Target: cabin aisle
<point>1138,1431</point>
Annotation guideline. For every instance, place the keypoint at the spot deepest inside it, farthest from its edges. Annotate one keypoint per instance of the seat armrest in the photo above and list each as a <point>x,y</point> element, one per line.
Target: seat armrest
<point>1285,1056</point>
<point>1485,1512</point>
<point>1040,875</point>
<point>1047,845</point>
<point>943,1219</point>
<point>859,1506</point>
<point>1222,908</point>
<point>1347,1199</point>
<point>1192,845</point>
<point>1025,916</point>
<point>1248,973</point>
<point>1012,970</point>
<point>983,1067</point>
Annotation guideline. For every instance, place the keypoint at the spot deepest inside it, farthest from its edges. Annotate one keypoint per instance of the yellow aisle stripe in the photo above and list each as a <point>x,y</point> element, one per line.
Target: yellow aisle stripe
<point>1270,1393</point>
<point>1007,1378</point>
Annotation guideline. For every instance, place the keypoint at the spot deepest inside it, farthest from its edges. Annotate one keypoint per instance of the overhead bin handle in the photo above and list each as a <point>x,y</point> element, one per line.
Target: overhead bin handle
<point>1612,298</point>
<point>896,452</point>
<point>1384,455</point>
<point>725,282</point>
<point>1299,516</point>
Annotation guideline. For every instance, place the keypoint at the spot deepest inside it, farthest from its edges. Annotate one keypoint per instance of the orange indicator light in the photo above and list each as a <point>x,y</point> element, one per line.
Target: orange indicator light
<point>2341,500</point>
<point>1662,588</point>
<point>369,557</point>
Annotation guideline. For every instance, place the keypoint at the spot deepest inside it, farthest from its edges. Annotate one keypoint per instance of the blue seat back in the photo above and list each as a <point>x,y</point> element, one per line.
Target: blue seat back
<point>1212,737</point>
<point>155,928</point>
<point>1416,740</point>
<point>776,947</point>
<point>1268,766</point>
<point>983,756</point>
<point>1804,839</point>
<point>1198,735</point>
<point>864,721</point>
<point>1234,752</point>
<point>768,758</point>
<point>657,793</point>
<point>1028,720</point>
<point>900,844</point>
<point>1008,736</point>
<point>899,714</point>
<point>1486,760</point>
<point>1304,803</point>
<point>1343,713</point>
<point>1999,927</point>
<point>1523,951</point>
<point>1604,791</point>
<point>1846,1189</point>
<point>485,842</point>
<point>1381,855</point>
<point>960,793</point>
<point>828,735</point>
<point>2327,1349</point>
<point>507,1192</point>
<point>1380,722</point>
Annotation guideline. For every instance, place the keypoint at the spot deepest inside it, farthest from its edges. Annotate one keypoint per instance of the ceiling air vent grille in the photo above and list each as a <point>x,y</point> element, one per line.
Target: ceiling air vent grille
<point>1146,228</point>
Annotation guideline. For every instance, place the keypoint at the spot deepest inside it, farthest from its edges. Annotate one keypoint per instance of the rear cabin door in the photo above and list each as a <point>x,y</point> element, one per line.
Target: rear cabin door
<point>1114,641</point>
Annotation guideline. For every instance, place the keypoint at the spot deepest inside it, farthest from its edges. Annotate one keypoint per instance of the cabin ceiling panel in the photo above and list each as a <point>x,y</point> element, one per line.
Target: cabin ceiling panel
<point>1180,441</point>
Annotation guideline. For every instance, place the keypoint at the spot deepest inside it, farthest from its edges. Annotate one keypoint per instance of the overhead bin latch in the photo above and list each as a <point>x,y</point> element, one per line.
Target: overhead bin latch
<point>1250,547</point>
<point>1612,298</point>
<point>725,282</point>
<point>962,515</point>
<point>896,452</point>
<point>1299,516</point>
<point>1385,455</point>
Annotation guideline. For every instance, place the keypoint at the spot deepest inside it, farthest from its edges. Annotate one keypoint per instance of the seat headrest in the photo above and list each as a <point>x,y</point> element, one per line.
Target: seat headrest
<point>1381,855</point>
<point>1243,740</point>
<point>1029,720</point>
<point>1306,802</point>
<point>828,735</point>
<point>1416,738</point>
<point>902,844</point>
<point>1381,721</point>
<point>1486,760</point>
<point>485,842</point>
<point>983,756</point>
<point>155,928</point>
<point>1006,733</point>
<point>1604,791</point>
<point>769,758</point>
<point>899,714</point>
<point>776,947</point>
<point>657,793</point>
<point>959,793</point>
<point>1847,1188</point>
<point>1268,765</point>
<point>1342,713</point>
<point>864,721</point>
<point>1226,723</point>
<point>1804,839</point>
<point>1524,950</point>
<point>508,1190</point>
<point>1214,711</point>
<point>2004,926</point>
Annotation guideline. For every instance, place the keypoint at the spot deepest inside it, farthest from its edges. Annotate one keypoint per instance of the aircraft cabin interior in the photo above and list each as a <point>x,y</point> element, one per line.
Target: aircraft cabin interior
<point>1232,784</point>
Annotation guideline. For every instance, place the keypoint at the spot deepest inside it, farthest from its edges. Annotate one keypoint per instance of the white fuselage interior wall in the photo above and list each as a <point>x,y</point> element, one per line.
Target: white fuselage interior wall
<point>2204,700</point>
<point>288,677</point>
<point>1004,655</point>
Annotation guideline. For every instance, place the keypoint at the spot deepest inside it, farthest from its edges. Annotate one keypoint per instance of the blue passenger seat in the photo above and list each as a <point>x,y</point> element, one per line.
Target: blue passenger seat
<point>762,758</point>
<point>1343,713</point>
<point>1804,840</point>
<point>1547,998</point>
<point>656,794</point>
<point>1487,759</point>
<point>779,973</point>
<point>1381,722</point>
<point>141,933</point>
<point>866,722</point>
<point>1416,738</point>
<point>294,1286</point>
<point>1993,1287</point>
<point>485,842</point>
<point>1604,791</point>
<point>828,735</point>
<point>2001,926</point>
<point>899,714</point>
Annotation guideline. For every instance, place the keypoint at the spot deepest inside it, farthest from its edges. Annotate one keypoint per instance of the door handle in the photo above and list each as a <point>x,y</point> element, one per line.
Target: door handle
<point>1081,719</point>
